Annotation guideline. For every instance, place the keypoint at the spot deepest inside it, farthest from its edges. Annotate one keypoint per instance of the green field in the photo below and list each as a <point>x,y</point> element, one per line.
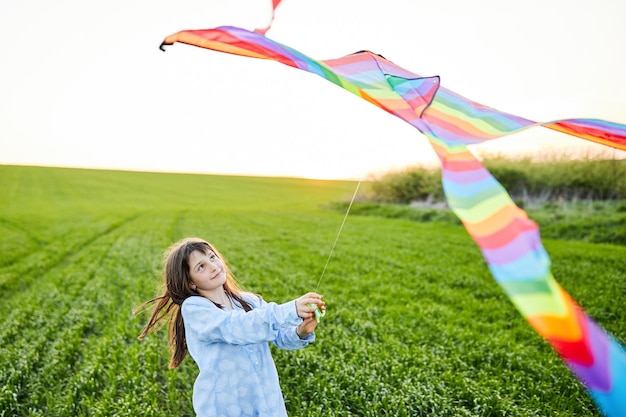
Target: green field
<point>416,326</point>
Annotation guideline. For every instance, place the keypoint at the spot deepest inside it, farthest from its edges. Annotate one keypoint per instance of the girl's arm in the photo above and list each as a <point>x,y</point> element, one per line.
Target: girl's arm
<point>263,323</point>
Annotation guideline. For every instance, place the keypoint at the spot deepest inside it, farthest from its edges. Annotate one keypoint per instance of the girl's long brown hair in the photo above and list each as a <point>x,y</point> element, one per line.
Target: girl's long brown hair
<point>176,281</point>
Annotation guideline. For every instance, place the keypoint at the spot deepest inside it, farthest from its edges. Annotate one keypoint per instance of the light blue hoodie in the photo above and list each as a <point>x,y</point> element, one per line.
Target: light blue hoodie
<point>237,373</point>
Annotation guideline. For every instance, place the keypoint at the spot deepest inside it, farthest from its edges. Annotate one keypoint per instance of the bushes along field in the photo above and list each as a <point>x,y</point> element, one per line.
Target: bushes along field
<point>529,184</point>
<point>416,326</point>
<point>574,200</point>
<point>586,221</point>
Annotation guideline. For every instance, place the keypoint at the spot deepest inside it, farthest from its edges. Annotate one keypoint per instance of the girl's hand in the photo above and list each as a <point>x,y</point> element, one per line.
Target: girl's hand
<point>306,327</point>
<point>307,311</point>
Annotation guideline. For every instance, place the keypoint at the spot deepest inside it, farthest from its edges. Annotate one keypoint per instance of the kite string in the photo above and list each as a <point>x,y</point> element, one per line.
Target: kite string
<point>332,249</point>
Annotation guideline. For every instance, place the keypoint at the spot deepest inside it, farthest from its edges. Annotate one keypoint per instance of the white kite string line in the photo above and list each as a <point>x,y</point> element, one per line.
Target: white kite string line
<point>338,233</point>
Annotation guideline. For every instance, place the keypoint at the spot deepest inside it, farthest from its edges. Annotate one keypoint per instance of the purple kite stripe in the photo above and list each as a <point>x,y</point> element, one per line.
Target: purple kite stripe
<point>523,243</point>
<point>596,376</point>
<point>465,177</point>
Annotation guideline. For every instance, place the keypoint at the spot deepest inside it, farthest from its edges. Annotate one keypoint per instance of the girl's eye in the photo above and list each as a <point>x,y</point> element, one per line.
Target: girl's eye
<point>200,268</point>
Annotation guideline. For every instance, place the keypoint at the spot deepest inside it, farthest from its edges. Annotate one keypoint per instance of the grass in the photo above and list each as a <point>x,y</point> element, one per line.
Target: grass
<point>589,221</point>
<point>416,326</point>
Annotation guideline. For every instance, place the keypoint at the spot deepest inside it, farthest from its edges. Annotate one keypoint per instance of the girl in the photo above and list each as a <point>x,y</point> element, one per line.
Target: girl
<point>227,332</point>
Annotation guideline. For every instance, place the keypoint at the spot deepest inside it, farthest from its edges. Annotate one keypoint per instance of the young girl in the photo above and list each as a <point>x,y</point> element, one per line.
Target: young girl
<point>227,332</point>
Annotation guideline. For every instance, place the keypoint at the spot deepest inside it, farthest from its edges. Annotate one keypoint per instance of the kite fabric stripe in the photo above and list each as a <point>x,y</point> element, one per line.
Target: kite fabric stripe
<point>264,30</point>
<point>507,238</point>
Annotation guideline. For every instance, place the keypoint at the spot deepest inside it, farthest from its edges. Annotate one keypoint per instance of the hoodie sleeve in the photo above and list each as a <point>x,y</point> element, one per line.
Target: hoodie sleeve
<point>264,323</point>
<point>287,337</point>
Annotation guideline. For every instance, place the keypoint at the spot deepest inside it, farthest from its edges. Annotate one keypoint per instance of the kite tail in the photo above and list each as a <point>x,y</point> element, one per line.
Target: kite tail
<point>510,243</point>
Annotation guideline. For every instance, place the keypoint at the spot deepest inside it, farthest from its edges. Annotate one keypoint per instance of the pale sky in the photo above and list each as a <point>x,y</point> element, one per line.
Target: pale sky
<point>83,83</point>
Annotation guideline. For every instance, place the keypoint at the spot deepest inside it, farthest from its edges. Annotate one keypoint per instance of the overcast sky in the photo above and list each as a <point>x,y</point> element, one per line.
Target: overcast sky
<point>83,83</point>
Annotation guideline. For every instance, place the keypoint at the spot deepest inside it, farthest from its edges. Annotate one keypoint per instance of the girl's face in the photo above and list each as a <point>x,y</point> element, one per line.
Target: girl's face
<point>207,272</point>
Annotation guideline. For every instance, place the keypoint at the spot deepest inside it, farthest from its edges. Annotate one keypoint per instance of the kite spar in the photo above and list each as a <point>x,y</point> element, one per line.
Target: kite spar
<point>507,238</point>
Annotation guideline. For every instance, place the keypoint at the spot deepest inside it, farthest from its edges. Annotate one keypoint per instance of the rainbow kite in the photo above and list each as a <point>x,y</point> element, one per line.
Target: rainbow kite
<point>508,239</point>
